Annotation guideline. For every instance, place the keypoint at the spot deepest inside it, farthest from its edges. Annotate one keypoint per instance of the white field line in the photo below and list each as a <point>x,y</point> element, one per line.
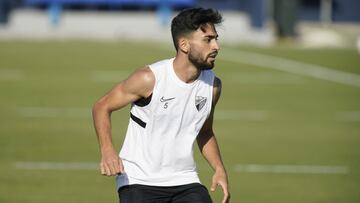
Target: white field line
<point>248,168</point>
<point>108,76</point>
<point>297,169</point>
<point>287,65</point>
<point>291,66</point>
<point>56,165</point>
<point>74,112</point>
<point>243,77</point>
<point>264,77</point>
<point>225,115</point>
<point>53,112</point>
<point>348,116</point>
<point>236,115</point>
<point>11,74</point>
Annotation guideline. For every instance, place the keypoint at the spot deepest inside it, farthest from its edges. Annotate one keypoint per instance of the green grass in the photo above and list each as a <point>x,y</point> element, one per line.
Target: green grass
<point>302,123</point>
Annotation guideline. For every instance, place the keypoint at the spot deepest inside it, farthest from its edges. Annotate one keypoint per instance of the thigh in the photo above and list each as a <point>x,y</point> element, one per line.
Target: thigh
<point>192,193</point>
<point>142,194</point>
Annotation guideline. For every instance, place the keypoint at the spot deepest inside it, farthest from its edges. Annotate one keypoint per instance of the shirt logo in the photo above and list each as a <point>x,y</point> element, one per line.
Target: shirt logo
<point>200,102</point>
<point>162,99</point>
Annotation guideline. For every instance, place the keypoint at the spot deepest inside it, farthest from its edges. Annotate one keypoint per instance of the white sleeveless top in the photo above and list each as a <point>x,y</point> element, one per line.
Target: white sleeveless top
<point>158,147</point>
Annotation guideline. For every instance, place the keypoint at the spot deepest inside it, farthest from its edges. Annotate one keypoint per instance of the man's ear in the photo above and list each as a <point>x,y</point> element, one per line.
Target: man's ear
<point>184,45</point>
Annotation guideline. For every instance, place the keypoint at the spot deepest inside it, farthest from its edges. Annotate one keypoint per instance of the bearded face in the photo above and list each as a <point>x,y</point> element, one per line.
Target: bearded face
<point>204,47</point>
<point>202,61</point>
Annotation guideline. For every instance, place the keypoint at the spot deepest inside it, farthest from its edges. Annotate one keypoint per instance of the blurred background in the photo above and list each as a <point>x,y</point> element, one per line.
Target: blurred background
<point>261,22</point>
<point>288,122</point>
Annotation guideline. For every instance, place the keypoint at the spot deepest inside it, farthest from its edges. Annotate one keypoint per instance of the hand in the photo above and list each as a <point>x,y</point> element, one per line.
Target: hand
<point>220,178</point>
<point>111,164</point>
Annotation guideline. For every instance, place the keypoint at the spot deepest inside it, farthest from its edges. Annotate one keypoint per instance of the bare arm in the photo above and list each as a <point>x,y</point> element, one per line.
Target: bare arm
<point>210,148</point>
<point>137,85</point>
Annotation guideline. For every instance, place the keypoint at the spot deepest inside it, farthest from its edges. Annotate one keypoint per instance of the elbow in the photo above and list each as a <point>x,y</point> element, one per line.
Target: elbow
<point>99,106</point>
<point>95,108</point>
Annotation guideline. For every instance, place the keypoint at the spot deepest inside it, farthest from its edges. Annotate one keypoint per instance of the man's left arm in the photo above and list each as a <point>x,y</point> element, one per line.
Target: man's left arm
<point>210,148</point>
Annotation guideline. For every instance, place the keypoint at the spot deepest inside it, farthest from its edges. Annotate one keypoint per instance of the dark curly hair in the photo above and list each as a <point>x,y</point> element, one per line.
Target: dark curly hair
<point>189,20</point>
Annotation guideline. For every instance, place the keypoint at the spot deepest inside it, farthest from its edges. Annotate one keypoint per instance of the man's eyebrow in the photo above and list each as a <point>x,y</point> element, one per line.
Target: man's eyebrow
<point>212,36</point>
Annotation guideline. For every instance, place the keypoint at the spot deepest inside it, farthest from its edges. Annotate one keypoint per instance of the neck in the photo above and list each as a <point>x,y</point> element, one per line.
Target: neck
<point>185,70</point>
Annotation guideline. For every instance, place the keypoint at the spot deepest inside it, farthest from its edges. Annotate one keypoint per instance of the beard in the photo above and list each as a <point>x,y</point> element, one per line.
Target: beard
<point>198,61</point>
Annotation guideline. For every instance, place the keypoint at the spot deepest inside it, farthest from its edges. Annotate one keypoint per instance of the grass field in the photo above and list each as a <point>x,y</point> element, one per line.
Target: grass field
<point>265,117</point>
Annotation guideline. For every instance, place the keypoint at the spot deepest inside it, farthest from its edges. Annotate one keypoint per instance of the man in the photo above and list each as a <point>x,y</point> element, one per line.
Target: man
<point>173,104</point>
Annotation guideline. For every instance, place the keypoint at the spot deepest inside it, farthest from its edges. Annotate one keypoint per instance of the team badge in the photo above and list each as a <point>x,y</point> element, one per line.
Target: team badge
<point>200,102</point>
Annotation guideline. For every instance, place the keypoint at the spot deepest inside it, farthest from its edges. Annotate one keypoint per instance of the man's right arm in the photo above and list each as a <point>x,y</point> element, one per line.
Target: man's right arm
<point>137,85</point>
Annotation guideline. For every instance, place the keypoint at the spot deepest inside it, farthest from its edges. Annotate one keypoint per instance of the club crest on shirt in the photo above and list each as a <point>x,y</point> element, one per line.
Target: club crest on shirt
<point>200,102</point>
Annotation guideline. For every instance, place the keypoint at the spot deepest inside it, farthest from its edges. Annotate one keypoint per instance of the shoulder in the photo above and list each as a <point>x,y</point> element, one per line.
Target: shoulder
<point>216,90</point>
<point>142,80</point>
<point>160,64</point>
<point>143,75</point>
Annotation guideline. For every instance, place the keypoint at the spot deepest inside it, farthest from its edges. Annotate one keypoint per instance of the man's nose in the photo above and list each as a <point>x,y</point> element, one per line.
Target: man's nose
<point>216,45</point>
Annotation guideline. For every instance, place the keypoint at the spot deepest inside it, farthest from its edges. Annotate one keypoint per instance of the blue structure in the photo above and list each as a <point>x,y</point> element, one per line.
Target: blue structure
<point>143,3</point>
<point>55,12</point>
<point>258,13</point>
<point>342,10</point>
<point>164,7</point>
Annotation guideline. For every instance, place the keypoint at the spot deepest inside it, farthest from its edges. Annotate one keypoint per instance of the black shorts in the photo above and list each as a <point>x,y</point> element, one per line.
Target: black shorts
<point>190,193</point>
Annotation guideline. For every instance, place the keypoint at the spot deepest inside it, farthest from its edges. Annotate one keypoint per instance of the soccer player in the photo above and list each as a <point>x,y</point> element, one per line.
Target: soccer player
<point>172,105</point>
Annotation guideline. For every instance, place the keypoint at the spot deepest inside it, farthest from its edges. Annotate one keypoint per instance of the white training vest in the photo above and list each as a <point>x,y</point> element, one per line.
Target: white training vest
<point>158,147</point>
